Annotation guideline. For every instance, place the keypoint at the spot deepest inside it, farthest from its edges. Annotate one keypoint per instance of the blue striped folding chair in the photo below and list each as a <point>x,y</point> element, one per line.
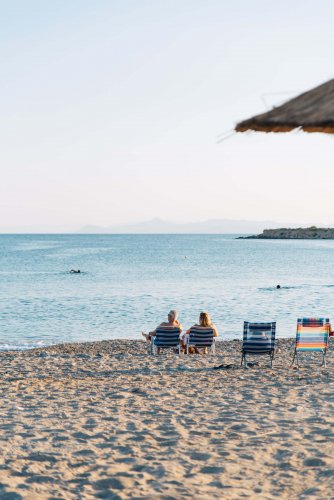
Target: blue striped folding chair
<point>201,336</point>
<point>258,339</point>
<point>312,336</point>
<point>166,337</point>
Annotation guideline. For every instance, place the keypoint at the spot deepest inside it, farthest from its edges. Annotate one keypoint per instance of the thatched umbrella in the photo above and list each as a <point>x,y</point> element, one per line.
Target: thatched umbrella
<point>312,111</point>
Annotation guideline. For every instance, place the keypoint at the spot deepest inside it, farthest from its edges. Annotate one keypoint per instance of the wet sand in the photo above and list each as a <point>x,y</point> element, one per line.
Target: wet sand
<point>105,420</point>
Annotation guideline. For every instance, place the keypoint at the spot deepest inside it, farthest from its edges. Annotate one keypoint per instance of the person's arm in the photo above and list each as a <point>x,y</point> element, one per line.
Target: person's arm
<point>215,331</point>
<point>154,332</point>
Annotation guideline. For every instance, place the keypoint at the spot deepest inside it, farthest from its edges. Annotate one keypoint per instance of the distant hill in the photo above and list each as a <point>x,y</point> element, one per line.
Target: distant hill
<point>159,226</point>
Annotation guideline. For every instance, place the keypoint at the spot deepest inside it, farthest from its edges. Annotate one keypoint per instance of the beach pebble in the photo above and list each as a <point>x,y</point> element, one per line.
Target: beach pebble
<point>43,354</point>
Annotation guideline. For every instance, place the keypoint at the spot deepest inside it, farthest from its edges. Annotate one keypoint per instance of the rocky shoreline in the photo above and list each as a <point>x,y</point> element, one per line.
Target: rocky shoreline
<point>300,233</point>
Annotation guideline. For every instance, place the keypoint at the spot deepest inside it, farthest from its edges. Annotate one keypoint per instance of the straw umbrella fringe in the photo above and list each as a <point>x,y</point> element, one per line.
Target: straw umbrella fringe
<point>312,111</point>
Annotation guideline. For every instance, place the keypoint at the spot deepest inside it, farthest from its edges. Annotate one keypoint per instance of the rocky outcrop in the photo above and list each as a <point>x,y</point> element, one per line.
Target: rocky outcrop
<point>300,233</point>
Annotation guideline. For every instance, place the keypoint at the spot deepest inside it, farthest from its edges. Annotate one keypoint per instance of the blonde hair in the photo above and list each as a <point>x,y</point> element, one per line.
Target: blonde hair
<point>204,319</point>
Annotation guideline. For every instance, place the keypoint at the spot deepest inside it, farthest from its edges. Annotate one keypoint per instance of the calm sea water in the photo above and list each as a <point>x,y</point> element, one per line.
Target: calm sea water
<point>129,282</point>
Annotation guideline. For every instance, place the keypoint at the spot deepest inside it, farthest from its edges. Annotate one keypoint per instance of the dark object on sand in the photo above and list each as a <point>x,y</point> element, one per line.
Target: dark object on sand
<point>312,111</point>
<point>223,367</point>
<point>250,364</point>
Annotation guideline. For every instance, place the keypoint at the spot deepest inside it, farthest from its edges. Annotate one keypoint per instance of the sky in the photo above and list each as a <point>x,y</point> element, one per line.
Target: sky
<point>112,110</point>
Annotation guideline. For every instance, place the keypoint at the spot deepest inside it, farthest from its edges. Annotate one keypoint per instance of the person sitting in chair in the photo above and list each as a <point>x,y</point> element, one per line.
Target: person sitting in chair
<point>203,321</point>
<point>172,321</point>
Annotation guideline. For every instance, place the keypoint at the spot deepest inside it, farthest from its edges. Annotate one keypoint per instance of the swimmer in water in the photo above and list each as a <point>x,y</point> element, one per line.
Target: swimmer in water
<point>76,271</point>
<point>278,287</point>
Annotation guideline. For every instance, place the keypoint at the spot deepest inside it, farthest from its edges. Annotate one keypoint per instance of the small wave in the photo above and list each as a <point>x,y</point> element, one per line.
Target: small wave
<point>29,247</point>
<point>274,289</point>
<point>22,347</point>
<point>64,273</point>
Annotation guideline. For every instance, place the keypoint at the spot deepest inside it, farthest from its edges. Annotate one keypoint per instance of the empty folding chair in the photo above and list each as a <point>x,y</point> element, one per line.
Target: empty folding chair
<point>312,336</point>
<point>258,339</point>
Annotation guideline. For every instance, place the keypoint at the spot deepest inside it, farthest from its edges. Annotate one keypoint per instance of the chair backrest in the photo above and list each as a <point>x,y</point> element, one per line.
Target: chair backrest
<point>312,334</point>
<point>259,337</point>
<point>201,336</point>
<point>167,336</point>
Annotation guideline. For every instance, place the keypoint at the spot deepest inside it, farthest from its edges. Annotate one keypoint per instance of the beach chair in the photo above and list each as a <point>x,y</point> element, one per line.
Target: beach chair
<point>201,336</point>
<point>312,336</point>
<point>258,339</point>
<point>167,337</point>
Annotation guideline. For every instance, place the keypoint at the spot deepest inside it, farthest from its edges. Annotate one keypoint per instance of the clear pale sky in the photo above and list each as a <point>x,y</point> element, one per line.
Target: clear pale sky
<point>110,111</point>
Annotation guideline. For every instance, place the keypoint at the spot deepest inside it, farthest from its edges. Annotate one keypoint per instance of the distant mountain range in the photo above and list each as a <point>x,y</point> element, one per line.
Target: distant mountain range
<point>160,226</point>
<point>211,226</point>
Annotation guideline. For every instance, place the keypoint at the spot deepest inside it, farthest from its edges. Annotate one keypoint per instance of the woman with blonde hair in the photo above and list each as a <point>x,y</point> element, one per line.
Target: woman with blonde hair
<point>204,321</point>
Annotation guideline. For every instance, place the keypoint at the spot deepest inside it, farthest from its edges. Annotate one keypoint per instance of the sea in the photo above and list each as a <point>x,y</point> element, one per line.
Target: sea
<point>128,283</point>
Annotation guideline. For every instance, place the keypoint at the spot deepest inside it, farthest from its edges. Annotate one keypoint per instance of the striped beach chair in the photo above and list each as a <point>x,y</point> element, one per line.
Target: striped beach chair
<point>201,336</point>
<point>167,337</point>
<point>258,339</point>
<point>312,336</point>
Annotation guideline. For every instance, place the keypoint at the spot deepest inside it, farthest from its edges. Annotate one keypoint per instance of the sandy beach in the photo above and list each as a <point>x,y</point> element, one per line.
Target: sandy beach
<point>106,420</point>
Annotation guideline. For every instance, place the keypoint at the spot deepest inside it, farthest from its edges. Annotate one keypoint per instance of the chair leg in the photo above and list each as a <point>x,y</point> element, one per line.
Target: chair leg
<point>324,360</point>
<point>213,347</point>
<point>242,359</point>
<point>271,359</point>
<point>293,359</point>
<point>297,359</point>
